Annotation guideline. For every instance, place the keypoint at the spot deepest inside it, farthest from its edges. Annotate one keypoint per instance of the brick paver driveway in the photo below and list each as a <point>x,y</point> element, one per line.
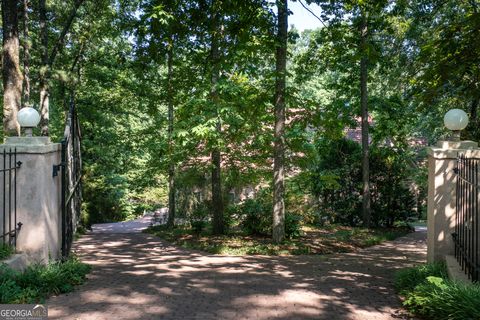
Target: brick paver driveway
<point>138,276</point>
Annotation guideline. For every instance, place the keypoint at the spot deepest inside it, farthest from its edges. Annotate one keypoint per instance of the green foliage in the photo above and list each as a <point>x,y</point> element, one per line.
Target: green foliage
<point>38,282</point>
<point>230,220</point>
<point>422,60</point>
<point>430,294</point>
<point>439,299</point>
<point>188,184</point>
<point>199,217</point>
<point>326,240</point>
<point>198,226</point>
<point>406,280</point>
<point>256,216</point>
<point>232,244</point>
<point>6,251</point>
<point>366,237</point>
<point>446,37</point>
<point>106,199</point>
<point>375,239</point>
<point>298,197</point>
<point>391,178</point>
<point>292,225</point>
<point>336,181</point>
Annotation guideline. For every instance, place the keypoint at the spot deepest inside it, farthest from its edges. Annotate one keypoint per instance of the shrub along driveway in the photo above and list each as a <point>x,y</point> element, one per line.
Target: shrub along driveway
<point>138,276</point>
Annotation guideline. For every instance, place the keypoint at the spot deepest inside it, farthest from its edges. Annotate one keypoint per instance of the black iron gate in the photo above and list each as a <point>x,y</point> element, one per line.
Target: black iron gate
<point>467,233</point>
<point>71,176</point>
<point>9,224</point>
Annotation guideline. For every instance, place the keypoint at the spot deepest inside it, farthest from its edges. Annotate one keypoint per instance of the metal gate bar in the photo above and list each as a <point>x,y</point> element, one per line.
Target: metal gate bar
<point>466,235</point>
<point>10,226</point>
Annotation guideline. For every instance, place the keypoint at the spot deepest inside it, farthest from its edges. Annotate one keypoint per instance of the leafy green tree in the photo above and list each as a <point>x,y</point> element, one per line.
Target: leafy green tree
<point>210,121</point>
<point>49,56</point>
<point>355,32</point>
<point>447,62</point>
<point>165,27</point>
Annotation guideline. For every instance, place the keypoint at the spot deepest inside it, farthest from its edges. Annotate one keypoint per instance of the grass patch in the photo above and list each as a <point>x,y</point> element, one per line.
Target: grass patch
<point>38,282</point>
<point>6,251</point>
<point>429,293</point>
<point>313,240</point>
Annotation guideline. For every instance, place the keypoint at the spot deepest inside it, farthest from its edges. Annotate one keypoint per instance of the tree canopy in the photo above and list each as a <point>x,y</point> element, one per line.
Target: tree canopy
<point>189,103</point>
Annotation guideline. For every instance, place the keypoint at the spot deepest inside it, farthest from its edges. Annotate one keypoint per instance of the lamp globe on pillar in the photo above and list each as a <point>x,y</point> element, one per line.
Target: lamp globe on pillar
<point>456,120</point>
<point>28,118</point>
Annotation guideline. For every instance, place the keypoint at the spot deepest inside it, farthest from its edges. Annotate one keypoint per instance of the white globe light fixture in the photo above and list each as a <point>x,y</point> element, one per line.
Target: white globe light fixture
<point>28,118</point>
<point>456,120</point>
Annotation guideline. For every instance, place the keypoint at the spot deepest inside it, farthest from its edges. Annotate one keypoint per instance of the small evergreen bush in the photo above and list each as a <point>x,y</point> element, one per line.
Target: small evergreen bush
<point>256,217</point>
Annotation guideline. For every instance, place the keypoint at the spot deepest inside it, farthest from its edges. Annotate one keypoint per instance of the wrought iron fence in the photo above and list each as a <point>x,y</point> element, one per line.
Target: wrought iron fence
<point>8,171</point>
<point>71,179</point>
<point>466,236</point>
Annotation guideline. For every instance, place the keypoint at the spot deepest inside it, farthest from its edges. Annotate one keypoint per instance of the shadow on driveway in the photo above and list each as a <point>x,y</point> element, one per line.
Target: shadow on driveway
<point>138,276</point>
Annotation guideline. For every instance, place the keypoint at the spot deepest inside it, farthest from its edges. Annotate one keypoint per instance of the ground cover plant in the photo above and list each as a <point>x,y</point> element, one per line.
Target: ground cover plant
<point>6,251</point>
<point>428,292</point>
<point>311,240</point>
<point>38,282</point>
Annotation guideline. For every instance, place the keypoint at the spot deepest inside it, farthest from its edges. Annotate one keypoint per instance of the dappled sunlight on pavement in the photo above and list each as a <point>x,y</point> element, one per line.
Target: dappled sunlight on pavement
<point>138,276</point>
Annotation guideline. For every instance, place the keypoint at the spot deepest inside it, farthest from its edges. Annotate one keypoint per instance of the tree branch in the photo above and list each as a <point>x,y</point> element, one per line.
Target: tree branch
<point>313,14</point>
<point>60,41</point>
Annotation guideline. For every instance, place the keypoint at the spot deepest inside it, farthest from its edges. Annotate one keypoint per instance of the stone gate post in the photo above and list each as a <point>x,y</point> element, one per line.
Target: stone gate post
<point>38,197</point>
<point>441,196</point>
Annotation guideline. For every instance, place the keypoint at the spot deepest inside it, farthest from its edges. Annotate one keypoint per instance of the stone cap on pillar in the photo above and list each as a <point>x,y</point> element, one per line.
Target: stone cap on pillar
<point>30,145</point>
<point>451,149</point>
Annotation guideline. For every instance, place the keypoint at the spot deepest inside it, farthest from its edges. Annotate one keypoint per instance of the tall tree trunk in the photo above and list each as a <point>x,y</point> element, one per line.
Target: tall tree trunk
<point>26,55</point>
<point>216,157</point>
<point>171,168</point>
<point>279,147</point>
<point>12,75</point>
<point>366,199</point>
<point>44,69</point>
<point>217,199</point>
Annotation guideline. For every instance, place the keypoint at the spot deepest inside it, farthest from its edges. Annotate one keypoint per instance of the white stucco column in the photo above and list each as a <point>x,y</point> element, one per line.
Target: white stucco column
<point>442,160</point>
<point>38,197</point>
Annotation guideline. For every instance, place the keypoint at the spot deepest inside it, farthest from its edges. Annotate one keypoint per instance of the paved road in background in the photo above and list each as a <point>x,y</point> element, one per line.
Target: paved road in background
<point>132,226</point>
